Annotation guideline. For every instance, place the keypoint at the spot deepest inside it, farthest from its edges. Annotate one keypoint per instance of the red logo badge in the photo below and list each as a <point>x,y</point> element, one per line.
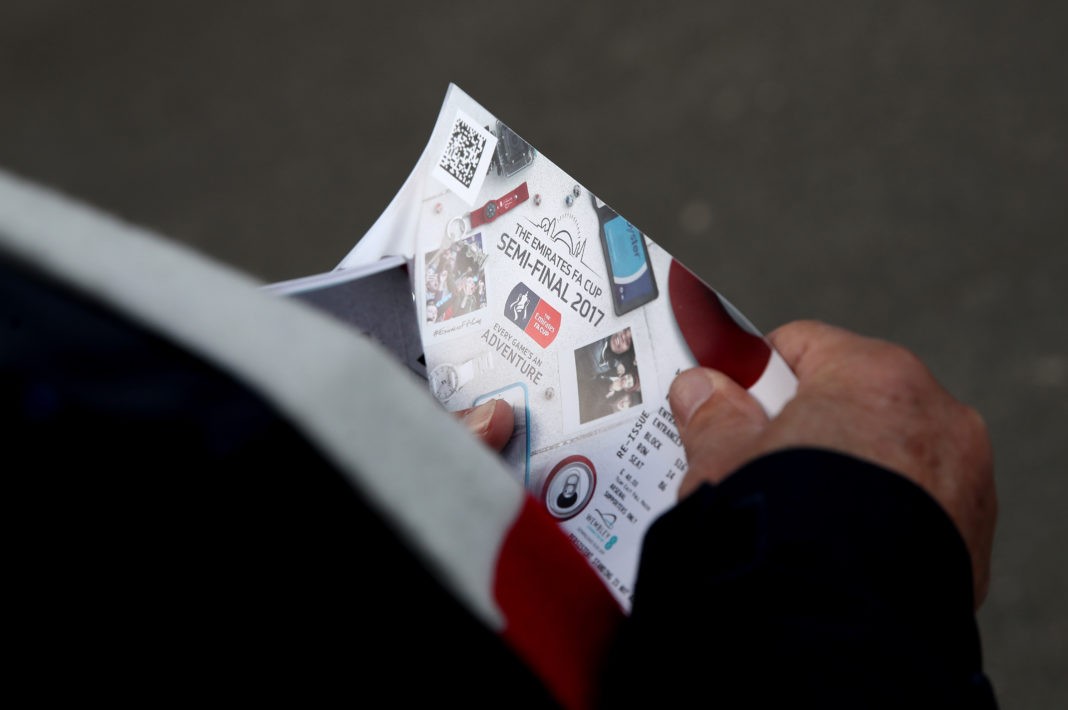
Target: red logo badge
<point>533,314</point>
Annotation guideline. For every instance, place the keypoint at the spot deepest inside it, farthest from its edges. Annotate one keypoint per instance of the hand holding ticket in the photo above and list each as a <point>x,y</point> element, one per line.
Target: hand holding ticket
<point>531,290</point>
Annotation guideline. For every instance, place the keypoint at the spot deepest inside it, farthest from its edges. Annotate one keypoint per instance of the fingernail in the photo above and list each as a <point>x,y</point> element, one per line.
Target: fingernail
<point>689,391</point>
<point>478,419</point>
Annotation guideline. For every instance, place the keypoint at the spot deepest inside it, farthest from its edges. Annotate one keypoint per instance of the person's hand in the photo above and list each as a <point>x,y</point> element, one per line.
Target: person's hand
<point>491,422</point>
<point>859,396</point>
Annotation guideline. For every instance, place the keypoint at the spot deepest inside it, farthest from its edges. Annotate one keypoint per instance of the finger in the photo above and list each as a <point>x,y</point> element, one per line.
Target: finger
<point>807,345</point>
<point>491,422</point>
<point>718,421</point>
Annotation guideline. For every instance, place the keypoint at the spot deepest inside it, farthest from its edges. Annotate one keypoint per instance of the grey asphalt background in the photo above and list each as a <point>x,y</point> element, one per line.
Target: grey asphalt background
<point>895,168</point>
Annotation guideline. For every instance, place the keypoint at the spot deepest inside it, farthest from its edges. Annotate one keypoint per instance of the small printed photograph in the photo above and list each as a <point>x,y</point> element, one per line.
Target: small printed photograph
<point>607,376</point>
<point>455,280</point>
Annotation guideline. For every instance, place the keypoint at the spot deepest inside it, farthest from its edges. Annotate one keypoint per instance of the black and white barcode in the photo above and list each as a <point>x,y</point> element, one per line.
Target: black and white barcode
<point>464,152</point>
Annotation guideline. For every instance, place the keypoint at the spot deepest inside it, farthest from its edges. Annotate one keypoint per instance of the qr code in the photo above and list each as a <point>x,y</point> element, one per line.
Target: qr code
<point>465,162</point>
<point>464,152</point>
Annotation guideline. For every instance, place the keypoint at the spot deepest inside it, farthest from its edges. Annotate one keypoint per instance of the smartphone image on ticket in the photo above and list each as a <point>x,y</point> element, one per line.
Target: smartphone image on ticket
<point>630,273</point>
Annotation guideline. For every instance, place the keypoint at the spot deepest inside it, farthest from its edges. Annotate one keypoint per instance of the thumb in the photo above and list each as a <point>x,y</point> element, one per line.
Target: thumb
<point>718,421</point>
<point>491,422</point>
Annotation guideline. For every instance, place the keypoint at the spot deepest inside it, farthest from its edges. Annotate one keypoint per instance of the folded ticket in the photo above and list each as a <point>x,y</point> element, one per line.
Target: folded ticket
<point>532,290</point>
